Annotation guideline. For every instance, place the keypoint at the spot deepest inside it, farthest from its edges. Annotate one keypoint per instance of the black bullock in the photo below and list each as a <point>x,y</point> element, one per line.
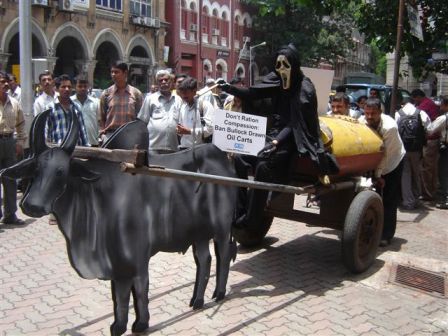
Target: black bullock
<point>114,222</point>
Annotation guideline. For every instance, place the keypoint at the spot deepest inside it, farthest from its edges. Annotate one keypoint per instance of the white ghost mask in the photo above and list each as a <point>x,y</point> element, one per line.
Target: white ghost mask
<point>283,68</point>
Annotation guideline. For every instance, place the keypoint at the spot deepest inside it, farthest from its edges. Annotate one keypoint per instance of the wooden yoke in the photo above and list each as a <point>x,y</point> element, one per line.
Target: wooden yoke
<point>134,156</point>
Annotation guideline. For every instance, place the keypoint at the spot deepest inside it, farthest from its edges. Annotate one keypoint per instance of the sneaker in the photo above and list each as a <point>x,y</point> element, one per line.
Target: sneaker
<point>442,206</point>
<point>384,242</point>
<point>12,221</point>
<point>407,207</point>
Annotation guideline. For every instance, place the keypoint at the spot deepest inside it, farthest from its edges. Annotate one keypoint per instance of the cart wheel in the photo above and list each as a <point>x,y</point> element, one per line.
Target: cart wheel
<point>253,236</point>
<point>362,231</point>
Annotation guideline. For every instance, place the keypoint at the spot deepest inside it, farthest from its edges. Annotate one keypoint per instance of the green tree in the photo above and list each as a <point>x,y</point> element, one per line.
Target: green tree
<point>378,21</point>
<point>321,29</point>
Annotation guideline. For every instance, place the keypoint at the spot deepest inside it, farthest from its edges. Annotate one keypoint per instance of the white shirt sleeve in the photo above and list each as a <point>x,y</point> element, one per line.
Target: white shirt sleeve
<point>437,125</point>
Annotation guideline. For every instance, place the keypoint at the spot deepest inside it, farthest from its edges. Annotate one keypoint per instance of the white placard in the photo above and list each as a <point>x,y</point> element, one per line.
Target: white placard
<point>239,133</point>
<point>322,80</point>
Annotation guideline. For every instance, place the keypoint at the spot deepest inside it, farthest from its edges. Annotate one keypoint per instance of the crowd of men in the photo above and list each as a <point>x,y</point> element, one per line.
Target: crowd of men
<point>178,116</point>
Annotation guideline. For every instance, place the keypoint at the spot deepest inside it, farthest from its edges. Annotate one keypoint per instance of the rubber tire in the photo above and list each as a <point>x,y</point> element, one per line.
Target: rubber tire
<point>253,236</point>
<point>362,231</point>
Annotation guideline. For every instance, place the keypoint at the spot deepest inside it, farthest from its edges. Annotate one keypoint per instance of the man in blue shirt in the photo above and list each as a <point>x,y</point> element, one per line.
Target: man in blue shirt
<point>89,107</point>
<point>59,119</point>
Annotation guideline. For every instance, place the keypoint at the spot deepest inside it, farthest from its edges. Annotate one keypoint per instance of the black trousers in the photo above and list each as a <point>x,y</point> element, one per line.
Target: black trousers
<point>391,199</point>
<point>442,191</point>
<point>275,169</point>
<point>7,159</point>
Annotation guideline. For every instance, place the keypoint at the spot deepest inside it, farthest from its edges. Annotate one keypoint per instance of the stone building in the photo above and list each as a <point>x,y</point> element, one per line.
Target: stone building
<point>86,36</point>
<point>210,39</point>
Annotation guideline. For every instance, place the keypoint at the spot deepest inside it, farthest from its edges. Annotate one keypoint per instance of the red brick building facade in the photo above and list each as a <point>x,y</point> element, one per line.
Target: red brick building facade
<point>209,39</point>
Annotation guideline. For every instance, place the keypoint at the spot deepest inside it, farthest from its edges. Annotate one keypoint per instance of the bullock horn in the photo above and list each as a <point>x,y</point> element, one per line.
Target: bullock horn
<point>22,169</point>
<point>37,133</point>
<point>70,140</point>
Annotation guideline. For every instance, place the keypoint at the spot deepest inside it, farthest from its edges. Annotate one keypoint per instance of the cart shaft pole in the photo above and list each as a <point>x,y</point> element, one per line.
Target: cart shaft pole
<point>222,180</point>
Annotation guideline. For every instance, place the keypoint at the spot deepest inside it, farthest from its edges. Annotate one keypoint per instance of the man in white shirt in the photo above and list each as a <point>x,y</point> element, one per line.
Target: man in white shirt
<point>15,90</point>
<point>340,105</point>
<point>89,107</point>
<point>410,179</point>
<point>195,120</point>
<point>388,173</point>
<point>160,111</point>
<point>440,125</point>
<point>46,98</point>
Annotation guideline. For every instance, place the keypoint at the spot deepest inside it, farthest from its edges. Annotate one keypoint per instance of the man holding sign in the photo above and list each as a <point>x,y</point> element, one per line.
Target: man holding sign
<point>294,130</point>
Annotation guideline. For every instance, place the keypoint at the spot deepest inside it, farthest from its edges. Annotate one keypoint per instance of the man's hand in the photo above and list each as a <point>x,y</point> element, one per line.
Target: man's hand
<point>181,129</point>
<point>267,150</point>
<point>19,150</point>
<point>379,183</point>
<point>223,85</point>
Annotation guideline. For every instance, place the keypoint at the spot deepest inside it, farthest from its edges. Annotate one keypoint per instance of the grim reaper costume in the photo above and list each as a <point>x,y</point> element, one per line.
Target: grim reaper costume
<point>294,130</point>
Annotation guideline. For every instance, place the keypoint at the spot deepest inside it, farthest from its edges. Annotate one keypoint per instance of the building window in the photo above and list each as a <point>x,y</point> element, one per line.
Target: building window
<point>110,4</point>
<point>140,7</point>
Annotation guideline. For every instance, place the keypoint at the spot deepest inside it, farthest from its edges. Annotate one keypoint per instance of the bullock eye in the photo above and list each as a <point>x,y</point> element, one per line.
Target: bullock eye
<point>59,172</point>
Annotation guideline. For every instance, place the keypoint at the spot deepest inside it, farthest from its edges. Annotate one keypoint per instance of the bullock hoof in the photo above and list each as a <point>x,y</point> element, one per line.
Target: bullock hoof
<point>139,327</point>
<point>117,329</point>
<point>218,296</point>
<point>197,303</point>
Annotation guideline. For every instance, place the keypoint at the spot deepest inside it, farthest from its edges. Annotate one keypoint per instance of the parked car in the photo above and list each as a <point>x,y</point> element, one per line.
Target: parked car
<point>356,90</point>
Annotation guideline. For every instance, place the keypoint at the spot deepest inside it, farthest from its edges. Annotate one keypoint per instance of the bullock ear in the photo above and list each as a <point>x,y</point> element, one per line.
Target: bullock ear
<point>22,169</point>
<point>77,169</point>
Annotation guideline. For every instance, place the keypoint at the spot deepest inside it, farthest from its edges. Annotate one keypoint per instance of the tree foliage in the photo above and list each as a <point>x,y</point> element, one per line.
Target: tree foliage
<point>378,21</point>
<point>320,29</point>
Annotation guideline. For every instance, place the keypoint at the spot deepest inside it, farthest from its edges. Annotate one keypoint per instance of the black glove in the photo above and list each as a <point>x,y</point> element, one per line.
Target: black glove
<point>267,151</point>
<point>223,85</point>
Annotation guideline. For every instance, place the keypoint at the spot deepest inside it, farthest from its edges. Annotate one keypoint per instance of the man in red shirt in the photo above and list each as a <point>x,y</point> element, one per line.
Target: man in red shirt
<point>431,150</point>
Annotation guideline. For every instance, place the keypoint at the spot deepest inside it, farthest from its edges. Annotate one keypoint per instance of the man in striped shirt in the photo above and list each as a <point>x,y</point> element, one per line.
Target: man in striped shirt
<point>120,103</point>
<point>59,119</point>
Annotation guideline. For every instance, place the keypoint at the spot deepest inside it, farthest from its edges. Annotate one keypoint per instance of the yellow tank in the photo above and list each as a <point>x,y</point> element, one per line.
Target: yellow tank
<point>357,148</point>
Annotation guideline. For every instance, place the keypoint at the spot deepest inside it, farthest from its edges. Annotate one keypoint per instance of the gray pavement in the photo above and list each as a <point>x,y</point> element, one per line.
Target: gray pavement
<point>294,285</point>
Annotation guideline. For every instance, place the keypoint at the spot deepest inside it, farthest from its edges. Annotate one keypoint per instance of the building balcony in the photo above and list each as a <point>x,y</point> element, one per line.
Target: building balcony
<point>192,36</point>
<point>204,37</point>
<point>223,41</point>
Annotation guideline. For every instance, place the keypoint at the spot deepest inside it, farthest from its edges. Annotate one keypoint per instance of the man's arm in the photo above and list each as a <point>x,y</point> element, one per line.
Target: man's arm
<point>144,114</point>
<point>82,128</point>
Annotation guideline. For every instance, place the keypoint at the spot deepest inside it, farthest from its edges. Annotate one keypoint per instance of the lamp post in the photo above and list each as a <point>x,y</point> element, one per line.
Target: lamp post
<point>262,44</point>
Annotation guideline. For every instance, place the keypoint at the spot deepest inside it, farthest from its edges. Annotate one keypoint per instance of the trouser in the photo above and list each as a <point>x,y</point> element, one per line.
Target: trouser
<point>429,169</point>
<point>410,179</point>
<point>274,169</point>
<point>391,197</point>
<point>7,159</point>
<point>442,191</point>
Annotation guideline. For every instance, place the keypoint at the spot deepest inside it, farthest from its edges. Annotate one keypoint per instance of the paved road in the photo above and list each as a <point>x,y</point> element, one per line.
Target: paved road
<point>294,285</point>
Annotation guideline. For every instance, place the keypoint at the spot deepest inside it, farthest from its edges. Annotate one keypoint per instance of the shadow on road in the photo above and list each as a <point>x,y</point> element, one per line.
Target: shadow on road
<point>308,265</point>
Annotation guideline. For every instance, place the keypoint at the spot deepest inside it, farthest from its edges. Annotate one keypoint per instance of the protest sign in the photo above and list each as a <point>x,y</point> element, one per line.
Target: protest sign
<point>239,133</point>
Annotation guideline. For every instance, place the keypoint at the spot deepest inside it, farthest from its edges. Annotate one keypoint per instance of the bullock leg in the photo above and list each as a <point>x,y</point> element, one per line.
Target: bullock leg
<point>141,302</point>
<point>225,251</point>
<point>203,262</point>
<point>121,291</point>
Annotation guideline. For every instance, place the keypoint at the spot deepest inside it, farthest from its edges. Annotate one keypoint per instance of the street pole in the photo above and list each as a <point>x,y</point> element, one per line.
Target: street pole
<point>393,102</point>
<point>262,44</point>
<point>26,81</point>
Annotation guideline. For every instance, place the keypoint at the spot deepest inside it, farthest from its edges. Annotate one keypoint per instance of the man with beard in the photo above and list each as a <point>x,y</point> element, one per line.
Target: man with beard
<point>294,131</point>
